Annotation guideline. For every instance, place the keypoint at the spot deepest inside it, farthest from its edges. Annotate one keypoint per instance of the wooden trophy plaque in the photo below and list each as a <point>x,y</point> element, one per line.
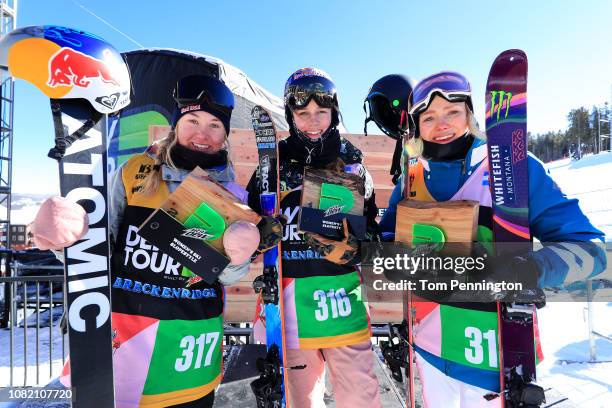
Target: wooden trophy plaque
<point>327,198</point>
<point>189,225</point>
<point>456,220</point>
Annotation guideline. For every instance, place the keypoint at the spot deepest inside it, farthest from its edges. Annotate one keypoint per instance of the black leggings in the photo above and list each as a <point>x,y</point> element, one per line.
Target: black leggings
<point>204,402</point>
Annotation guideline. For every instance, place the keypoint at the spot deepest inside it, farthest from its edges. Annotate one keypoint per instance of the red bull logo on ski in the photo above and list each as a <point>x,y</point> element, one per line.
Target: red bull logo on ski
<point>68,67</point>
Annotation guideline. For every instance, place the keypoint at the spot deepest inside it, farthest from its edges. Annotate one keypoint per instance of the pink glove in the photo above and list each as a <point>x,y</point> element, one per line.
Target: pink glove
<point>240,241</point>
<point>59,223</point>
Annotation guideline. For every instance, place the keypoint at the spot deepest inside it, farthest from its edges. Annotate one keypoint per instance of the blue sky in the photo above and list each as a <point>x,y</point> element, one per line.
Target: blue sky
<point>568,43</point>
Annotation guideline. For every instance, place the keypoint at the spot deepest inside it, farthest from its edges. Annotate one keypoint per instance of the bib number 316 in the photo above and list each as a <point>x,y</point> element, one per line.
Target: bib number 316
<point>333,299</point>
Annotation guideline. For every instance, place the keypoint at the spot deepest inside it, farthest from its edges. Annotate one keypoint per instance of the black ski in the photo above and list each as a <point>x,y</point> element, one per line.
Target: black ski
<point>270,389</point>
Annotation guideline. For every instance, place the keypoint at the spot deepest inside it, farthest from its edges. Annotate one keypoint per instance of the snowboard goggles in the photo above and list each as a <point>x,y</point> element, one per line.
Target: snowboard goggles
<point>195,89</point>
<point>299,92</point>
<point>452,86</point>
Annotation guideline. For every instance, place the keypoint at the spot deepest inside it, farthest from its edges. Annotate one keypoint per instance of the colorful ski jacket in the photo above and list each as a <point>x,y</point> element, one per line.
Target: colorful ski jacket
<point>460,339</point>
<point>323,304</point>
<point>167,337</point>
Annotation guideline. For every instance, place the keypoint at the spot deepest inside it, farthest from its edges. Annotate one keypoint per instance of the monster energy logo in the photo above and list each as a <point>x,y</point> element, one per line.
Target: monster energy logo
<point>495,106</point>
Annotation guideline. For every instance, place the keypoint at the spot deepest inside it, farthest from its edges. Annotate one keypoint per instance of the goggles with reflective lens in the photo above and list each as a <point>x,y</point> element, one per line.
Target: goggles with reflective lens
<point>299,92</point>
<point>452,86</point>
<point>195,89</point>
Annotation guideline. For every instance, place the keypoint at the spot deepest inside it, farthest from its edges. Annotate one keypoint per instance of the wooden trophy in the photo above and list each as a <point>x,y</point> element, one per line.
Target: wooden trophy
<point>327,198</point>
<point>189,225</point>
<point>451,223</point>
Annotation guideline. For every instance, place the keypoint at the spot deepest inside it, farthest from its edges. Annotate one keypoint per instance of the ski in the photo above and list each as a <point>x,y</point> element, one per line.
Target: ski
<point>270,389</point>
<point>398,352</point>
<point>86,79</point>
<point>83,178</point>
<point>506,128</point>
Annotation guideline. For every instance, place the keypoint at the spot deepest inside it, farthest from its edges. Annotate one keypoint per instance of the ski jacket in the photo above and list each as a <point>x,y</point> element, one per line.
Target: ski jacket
<point>322,300</point>
<point>167,337</point>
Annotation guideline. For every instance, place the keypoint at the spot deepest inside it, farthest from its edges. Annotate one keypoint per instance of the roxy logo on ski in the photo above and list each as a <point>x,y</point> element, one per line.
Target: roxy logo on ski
<point>197,233</point>
<point>497,106</point>
<point>334,209</point>
<point>68,67</point>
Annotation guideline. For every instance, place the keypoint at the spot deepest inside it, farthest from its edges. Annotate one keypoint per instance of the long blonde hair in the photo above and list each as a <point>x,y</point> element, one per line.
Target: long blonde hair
<point>163,155</point>
<point>414,145</point>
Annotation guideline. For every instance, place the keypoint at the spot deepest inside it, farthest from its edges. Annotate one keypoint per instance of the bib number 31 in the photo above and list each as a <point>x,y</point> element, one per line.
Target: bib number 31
<point>475,352</point>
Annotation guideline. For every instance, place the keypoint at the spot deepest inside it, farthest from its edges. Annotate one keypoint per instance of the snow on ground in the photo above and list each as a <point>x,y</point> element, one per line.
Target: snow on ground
<point>563,325</point>
<point>21,359</point>
<point>565,336</point>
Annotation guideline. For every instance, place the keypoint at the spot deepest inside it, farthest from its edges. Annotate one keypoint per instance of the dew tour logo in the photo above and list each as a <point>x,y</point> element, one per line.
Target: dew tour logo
<point>197,233</point>
<point>497,102</point>
<point>334,209</point>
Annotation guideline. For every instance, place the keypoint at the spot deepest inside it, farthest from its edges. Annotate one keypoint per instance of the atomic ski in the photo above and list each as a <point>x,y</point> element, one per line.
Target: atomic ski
<point>86,79</point>
<point>270,388</point>
<point>506,128</point>
<point>83,179</point>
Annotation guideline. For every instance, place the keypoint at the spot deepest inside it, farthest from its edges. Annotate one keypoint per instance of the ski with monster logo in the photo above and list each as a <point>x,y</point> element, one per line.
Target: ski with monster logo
<point>506,128</point>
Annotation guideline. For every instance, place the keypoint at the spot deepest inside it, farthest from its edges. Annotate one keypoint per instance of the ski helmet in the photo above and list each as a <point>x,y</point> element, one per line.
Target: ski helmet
<point>68,64</point>
<point>388,103</point>
<point>451,86</point>
<point>203,93</point>
<point>306,84</point>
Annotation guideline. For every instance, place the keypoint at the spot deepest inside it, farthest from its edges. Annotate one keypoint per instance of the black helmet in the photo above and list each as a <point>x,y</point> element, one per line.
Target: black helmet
<point>388,102</point>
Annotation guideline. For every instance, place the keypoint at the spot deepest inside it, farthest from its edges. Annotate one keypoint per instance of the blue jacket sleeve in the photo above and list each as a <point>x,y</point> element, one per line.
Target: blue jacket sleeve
<point>387,222</point>
<point>573,248</point>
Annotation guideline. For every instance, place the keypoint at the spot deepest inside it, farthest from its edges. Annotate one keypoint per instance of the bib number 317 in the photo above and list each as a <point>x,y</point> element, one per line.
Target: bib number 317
<point>195,347</point>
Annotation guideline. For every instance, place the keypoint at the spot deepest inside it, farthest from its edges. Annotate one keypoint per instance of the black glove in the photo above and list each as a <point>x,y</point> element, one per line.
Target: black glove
<point>338,252</point>
<point>271,231</point>
<point>502,276</point>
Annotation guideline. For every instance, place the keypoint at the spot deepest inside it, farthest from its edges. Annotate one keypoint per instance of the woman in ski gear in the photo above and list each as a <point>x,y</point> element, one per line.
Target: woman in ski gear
<point>326,320</point>
<point>449,162</point>
<point>167,323</point>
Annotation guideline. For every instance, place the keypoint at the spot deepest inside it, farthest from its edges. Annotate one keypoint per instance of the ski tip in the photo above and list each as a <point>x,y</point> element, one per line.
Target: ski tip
<point>513,56</point>
<point>260,113</point>
<point>508,69</point>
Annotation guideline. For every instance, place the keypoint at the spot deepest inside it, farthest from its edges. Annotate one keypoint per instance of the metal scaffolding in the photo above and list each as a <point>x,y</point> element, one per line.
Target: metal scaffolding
<point>8,20</point>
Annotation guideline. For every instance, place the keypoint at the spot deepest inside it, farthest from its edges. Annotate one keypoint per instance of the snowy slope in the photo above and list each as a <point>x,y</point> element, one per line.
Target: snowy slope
<point>563,325</point>
<point>590,181</point>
